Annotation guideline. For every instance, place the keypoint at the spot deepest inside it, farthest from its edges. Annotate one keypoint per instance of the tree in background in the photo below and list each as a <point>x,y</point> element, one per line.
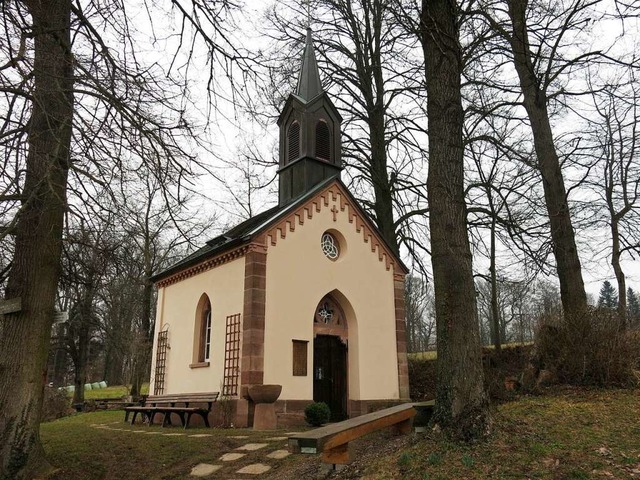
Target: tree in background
<point>371,64</point>
<point>615,140</point>
<point>87,252</point>
<point>608,296</point>
<point>419,311</point>
<point>633,308</point>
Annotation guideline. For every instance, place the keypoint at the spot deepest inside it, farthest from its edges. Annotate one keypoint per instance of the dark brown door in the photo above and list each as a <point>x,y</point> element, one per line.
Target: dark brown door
<point>330,374</point>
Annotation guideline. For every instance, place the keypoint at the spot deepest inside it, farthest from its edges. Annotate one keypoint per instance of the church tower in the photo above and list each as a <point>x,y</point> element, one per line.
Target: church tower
<point>309,133</point>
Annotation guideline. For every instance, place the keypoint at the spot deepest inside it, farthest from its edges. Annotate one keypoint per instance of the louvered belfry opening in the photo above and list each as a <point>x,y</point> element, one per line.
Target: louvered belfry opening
<point>161,361</point>
<point>323,141</point>
<point>294,142</point>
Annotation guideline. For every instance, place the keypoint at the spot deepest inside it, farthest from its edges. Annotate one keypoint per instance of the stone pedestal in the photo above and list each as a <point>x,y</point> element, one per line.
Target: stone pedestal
<point>264,397</point>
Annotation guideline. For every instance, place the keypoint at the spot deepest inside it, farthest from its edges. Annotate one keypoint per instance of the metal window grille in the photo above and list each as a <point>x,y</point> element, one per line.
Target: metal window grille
<point>232,356</point>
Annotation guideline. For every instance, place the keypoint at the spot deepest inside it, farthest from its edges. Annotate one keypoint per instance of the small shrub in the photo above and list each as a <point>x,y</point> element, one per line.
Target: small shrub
<point>55,404</point>
<point>405,459</point>
<point>317,414</point>
<point>434,458</point>
<point>467,460</point>
<point>422,379</point>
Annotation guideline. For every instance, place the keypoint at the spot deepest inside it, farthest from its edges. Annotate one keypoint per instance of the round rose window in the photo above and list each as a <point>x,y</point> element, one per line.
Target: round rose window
<point>330,246</point>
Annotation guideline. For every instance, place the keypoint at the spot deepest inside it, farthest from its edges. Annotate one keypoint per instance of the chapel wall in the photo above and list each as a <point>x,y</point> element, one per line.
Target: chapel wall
<point>299,276</point>
<point>177,304</point>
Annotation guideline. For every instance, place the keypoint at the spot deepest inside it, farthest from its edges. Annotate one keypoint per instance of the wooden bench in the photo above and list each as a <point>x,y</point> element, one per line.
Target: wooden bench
<point>166,405</point>
<point>333,440</point>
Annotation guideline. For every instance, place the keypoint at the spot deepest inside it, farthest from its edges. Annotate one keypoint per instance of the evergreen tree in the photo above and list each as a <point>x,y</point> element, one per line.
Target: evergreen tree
<point>608,296</point>
<point>633,307</point>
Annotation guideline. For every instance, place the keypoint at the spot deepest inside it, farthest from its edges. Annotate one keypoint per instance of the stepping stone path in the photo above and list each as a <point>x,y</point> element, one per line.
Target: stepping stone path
<point>279,454</point>
<point>204,469</point>
<point>255,469</point>
<point>250,447</point>
<point>230,457</point>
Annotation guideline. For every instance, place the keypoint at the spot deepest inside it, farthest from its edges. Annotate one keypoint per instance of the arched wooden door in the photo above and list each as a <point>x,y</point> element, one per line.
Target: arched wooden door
<point>330,382</point>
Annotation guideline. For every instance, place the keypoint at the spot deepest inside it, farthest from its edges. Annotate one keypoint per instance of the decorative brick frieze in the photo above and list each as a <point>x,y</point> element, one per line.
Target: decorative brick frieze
<point>336,194</point>
<point>203,266</point>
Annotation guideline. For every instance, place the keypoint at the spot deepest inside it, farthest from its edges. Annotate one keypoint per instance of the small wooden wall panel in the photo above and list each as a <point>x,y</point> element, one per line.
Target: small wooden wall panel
<point>300,358</point>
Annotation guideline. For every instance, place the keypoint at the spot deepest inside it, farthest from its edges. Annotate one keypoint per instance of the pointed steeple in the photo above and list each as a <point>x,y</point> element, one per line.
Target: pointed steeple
<point>309,85</point>
<point>309,133</point>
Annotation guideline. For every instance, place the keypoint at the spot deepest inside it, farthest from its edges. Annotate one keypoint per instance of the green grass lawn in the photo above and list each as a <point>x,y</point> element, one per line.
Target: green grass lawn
<point>571,434</point>
<point>80,450</point>
<point>567,434</point>
<point>116,391</point>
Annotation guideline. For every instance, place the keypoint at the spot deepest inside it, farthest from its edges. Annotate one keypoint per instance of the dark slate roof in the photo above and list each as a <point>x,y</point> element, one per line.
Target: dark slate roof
<point>239,234</point>
<point>245,231</point>
<point>309,85</point>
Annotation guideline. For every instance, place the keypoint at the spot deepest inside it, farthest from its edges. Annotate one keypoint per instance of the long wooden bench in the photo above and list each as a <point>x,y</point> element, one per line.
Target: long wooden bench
<point>333,440</point>
<point>167,404</point>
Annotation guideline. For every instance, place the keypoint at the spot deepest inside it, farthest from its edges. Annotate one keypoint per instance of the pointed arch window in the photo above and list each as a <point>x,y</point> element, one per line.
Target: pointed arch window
<point>202,333</point>
<point>323,141</point>
<point>205,338</point>
<point>293,140</point>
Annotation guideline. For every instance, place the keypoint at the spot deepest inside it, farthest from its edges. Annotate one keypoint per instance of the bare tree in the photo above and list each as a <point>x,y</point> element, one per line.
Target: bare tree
<point>88,249</point>
<point>461,403</point>
<point>371,64</point>
<point>76,110</point>
<point>615,142</point>
<point>420,315</point>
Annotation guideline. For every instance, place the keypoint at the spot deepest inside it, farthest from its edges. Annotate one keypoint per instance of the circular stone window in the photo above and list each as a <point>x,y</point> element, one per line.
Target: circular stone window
<point>330,246</point>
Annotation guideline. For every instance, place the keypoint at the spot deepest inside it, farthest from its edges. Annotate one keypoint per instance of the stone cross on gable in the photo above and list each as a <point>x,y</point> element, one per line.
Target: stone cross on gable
<point>334,210</point>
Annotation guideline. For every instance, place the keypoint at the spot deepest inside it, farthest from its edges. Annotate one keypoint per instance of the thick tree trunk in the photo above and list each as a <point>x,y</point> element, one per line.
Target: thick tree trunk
<point>461,402</point>
<point>572,292</point>
<point>24,336</point>
<point>113,366</point>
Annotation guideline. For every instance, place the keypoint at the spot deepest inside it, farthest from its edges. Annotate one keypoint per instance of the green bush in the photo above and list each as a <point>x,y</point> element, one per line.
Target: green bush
<point>317,414</point>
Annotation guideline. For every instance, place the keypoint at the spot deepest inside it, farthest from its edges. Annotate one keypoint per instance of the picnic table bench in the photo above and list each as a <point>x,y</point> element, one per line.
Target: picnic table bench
<point>167,404</point>
<point>333,440</point>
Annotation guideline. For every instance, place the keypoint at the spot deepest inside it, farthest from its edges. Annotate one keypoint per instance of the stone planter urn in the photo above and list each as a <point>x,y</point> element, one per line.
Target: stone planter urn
<point>265,396</point>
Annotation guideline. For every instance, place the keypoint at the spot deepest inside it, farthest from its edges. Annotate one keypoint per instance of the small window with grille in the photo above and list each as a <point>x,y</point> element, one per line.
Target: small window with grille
<point>293,138</point>
<point>323,141</point>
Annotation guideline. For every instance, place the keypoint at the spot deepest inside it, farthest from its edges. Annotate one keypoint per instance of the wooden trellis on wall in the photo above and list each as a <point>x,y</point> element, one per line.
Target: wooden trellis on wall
<point>161,361</point>
<point>232,356</point>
